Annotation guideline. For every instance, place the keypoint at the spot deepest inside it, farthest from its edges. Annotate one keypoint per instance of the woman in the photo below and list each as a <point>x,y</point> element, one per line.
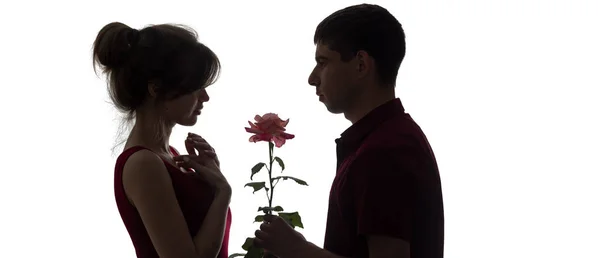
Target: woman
<point>173,206</point>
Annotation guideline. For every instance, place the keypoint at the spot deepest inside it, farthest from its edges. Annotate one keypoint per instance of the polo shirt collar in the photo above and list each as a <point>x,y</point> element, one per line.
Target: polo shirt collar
<point>354,135</point>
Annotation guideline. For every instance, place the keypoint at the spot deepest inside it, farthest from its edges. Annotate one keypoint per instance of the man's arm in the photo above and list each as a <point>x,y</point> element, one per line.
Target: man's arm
<point>379,247</point>
<point>384,188</point>
<point>311,250</point>
<point>387,247</point>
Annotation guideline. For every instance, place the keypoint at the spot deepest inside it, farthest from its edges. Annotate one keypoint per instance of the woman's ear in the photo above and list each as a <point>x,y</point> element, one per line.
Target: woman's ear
<point>152,89</point>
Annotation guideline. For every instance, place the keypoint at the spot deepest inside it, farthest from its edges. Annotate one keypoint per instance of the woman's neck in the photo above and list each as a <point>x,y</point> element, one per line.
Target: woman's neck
<point>152,133</point>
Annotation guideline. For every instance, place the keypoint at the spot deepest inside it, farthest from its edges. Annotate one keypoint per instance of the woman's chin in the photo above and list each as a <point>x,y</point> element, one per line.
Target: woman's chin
<point>189,121</point>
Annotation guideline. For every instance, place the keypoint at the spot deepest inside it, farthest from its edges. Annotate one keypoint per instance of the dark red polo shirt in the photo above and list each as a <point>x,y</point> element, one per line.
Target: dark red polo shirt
<point>388,184</point>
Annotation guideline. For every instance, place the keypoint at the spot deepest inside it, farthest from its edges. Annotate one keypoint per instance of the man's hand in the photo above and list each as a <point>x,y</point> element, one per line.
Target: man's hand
<point>277,237</point>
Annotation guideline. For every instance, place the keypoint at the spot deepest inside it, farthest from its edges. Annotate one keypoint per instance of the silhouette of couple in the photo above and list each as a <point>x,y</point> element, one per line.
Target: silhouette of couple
<point>385,200</point>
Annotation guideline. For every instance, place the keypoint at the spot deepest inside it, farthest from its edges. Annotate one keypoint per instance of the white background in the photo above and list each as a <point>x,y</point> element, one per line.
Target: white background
<point>505,91</point>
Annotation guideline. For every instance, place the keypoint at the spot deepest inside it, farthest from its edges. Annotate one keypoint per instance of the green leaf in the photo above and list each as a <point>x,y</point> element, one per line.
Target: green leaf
<point>255,252</point>
<point>259,218</point>
<point>256,185</point>
<point>280,162</point>
<point>276,208</point>
<point>236,255</point>
<point>257,168</point>
<point>293,218</point>
<point>249,243</point>
<point>299,181</point>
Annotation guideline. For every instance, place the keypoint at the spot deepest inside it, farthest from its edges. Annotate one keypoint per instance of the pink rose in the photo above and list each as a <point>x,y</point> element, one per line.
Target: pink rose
<point>269,128</point>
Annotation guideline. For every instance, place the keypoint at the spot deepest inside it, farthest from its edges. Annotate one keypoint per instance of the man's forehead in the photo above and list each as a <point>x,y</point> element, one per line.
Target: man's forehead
<point>323,50</point>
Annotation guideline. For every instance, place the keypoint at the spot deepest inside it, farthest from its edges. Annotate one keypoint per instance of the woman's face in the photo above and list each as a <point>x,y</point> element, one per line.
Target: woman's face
<point>184,110</point>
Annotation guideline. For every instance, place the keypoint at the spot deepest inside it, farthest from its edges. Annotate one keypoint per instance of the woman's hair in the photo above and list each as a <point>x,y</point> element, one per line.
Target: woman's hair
<point>167,56</point>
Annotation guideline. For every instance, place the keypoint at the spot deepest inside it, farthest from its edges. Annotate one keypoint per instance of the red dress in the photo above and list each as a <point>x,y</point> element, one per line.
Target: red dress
<point>194,197</point>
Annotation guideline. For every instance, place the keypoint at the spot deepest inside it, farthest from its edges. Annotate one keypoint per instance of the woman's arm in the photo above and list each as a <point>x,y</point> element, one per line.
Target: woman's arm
<point>149,188</point>
<point>209,238</point>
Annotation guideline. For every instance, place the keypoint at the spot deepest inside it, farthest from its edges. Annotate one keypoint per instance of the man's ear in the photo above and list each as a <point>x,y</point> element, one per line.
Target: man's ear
<point>364,63</point>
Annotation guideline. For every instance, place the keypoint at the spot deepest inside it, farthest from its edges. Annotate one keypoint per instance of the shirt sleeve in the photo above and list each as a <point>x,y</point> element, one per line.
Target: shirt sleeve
<point>384,188</point>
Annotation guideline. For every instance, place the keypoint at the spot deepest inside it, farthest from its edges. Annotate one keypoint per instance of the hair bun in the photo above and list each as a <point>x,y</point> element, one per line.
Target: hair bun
<point>112,45</point>
<point>133,37</point>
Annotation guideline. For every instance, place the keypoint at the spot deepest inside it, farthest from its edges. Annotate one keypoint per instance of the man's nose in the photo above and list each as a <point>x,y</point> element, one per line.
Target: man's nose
<point>313,79</point>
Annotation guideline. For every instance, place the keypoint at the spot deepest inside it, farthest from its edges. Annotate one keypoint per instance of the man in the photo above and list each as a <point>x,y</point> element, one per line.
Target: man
<point>386,198</point>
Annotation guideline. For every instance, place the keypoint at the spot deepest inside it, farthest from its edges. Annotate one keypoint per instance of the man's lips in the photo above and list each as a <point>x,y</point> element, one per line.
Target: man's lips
<point>197,111</point>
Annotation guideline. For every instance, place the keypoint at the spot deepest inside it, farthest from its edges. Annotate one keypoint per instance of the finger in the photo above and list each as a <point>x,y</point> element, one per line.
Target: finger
<point>189,146</point>
<point>210,154</point>
<point>260,235</point>
<point>207,153</point>
<point>203,157</point>
<point>200,169</point>
<point>265,227</point>
<point>201,145</point>
<point>200,140</point>
<point>182,161</point>
<point>187,161</point>
<point>184,158</point>
<point>193,135</point>
<point>258,242</point>
<point>270,218</point>
<point>269,253</point>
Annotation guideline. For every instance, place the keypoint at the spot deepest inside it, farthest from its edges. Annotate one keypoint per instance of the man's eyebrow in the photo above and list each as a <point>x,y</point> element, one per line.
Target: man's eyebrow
<point>320,58</point>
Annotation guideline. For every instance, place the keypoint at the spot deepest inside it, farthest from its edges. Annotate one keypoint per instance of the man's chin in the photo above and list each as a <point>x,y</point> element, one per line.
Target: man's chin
<point>334,110</point>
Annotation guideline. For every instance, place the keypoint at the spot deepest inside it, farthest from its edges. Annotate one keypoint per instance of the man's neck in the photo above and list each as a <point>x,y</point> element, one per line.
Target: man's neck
<point>367,102</point>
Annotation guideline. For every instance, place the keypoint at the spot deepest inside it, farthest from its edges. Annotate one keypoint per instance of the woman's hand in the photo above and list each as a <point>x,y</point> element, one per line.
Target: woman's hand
<point>195,143</point>
<point>202,158</point>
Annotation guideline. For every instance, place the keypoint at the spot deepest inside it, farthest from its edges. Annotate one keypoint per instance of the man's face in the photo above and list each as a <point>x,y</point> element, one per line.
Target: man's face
<point>336,81</point>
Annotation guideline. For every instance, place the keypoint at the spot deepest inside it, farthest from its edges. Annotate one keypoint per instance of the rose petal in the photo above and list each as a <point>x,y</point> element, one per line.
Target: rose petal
<point>253,130</point>
<point>252,125</point>
<point>287,136</point>
<point>270,116</point>
<point>270,128</point>
<point>253,138</point>
<point>278,141</point>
